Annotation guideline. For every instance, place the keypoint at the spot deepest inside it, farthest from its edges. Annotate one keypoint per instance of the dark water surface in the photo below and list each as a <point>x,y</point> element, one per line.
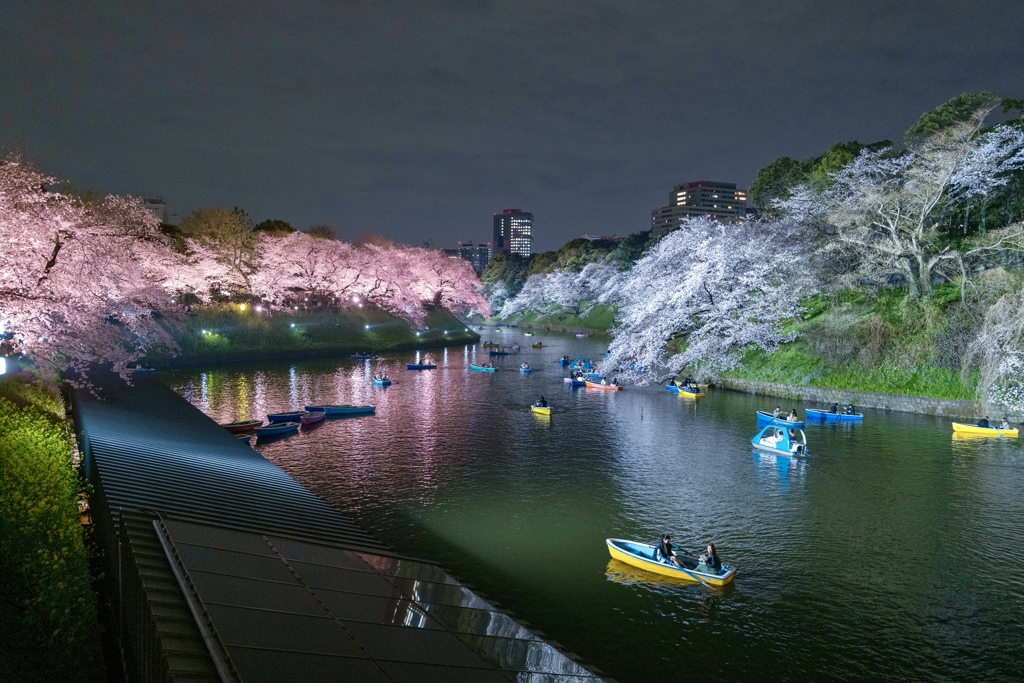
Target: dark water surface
<point>890,551</point>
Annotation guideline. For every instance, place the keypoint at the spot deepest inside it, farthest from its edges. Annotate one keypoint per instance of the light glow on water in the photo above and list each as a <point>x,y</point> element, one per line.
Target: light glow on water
<point>873,532</point>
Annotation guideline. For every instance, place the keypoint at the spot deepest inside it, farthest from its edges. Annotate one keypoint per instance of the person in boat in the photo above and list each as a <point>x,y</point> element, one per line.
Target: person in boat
<point>1005,424</point>
<point>604,381</point>
<point>794,444</point>
<point>792,417</point>
<point>615,381</point>
<point>850,409</point>
<point>834,409</point>
<point>542,403</point>
<point>777,413</point>
<point>984,423</point>
<point>525,366</point>
<point>665,550</point>
<point>771,438</point>
<point>711,559</point>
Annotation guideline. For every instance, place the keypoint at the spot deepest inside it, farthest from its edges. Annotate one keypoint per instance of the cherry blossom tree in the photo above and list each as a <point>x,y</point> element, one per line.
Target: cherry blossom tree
<point>881,216</point>
<point>80,280</point>
<point>717,289</point>
<point>998,352</point>
<point>563,290</point>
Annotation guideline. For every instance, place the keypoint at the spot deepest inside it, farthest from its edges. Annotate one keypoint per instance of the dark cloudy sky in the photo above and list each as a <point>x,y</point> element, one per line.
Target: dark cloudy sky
<point>420,119</point>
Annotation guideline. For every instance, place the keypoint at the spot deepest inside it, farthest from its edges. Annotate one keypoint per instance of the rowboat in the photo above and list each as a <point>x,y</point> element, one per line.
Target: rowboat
<point>541,410</point>
<point>776,439</point>
<point>682,392</point>
<point>642,555</point>
<point>527,334</point>
<point>242,427</point>
<point>762,416</point>
<point>573,382</point>
<point>564,361</point>
<point>538,345</point>
<point>277,429</point>
<point>481,368</point>
<point>342,409</point>
<point>833,417</point>
<point>605,387</point>
<point>581,335</point>
<point>311,417</point>
<point>381,382</point>
<point>362,356</point>
<point>420,366</point>
<point>293,416</point>
<point>526,371</point>
<point>499,352</point>
<point>974,430</point>
<point>491,345</point>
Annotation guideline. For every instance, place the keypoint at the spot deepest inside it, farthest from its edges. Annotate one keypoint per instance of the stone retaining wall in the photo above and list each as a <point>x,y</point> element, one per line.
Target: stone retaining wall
<point>862,399</point>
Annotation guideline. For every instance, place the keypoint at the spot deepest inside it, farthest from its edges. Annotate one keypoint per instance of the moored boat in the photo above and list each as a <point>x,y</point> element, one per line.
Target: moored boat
<point>420,366</point>
<point>829,416</point>
<point>605,387</point>
<point>763,416</point>
<point>242,426</point>
<point>481,368</point>
<point>311,417</point>
<point>777,439</point>
<point>974,430</point>
<point>277,429</point>
<point>642,555</point>
<point>293,416</point>
<point>341,409</point>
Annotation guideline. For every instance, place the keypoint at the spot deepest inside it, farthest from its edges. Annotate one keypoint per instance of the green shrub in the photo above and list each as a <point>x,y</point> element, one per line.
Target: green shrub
<point>45,587</point>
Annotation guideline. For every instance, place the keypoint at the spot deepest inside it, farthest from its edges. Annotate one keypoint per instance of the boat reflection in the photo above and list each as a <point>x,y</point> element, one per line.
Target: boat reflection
<point>628,575</point>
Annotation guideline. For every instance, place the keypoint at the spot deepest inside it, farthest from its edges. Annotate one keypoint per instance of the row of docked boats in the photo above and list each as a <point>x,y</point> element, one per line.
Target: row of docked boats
<point>289,422</point>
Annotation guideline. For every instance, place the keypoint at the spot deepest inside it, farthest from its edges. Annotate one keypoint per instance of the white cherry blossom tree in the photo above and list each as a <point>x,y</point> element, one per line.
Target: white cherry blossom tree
<point>715,288</point>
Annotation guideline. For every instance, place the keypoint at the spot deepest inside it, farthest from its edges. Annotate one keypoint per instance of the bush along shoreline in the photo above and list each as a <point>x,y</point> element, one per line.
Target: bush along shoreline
<point>48,610</point>
<point>229,333</point>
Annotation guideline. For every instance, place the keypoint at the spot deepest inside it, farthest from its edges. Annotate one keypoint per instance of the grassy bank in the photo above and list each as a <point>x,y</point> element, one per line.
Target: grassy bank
<point>599,318</point>
<point>873,341</point>
<point>229,333</point>
<point>48,625</point>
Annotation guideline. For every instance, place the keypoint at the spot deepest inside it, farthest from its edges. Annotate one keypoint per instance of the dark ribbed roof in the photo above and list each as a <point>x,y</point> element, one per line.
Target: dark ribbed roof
<point>152,450</point>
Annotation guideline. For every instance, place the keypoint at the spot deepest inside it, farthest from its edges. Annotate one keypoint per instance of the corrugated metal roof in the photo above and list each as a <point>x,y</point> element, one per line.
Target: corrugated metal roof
<point>150,449</point>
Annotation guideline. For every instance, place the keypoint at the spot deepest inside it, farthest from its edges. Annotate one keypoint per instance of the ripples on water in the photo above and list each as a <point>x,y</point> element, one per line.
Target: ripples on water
<point>890,551</point>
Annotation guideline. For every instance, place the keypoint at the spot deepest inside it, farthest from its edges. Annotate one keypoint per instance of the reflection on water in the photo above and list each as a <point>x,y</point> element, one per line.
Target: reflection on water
<point>877,530</point>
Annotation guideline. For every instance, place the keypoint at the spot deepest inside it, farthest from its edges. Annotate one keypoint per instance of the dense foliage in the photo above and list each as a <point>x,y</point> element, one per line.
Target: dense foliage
<point>89,279</point>
<point>48,607</point>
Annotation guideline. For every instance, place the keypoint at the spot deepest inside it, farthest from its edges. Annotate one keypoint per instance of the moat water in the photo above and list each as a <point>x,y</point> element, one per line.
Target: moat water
<point>890,551</point>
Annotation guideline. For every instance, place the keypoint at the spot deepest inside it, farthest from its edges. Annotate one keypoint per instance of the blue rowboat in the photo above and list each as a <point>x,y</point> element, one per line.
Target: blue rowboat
<point>381,382</point>
<point>776,439</point>
<point>293,416</point>
<point>420,366</point>
<point>481,368</point>
<point>277,429</point>
<point>564,361</point>
<point>833,417</point>
<point>497,353</point>
<point>311,417</point>
<point>763,417</point>
<point>344,409</point>
<point>526,371</point>
<point>573,382</point>
<point>644,556</point>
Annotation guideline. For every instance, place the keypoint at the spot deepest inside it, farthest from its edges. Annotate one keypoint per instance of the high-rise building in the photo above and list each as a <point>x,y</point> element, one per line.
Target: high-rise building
<point>721,201</point>
<point>513,233</point>
<point>477,254</point>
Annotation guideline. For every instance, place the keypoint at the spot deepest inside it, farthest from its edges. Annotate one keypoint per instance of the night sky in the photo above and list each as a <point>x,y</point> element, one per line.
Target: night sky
<point>419,120</point>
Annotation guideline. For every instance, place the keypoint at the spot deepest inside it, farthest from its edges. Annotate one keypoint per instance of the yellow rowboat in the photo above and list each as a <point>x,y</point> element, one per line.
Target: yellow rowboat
<point>538,345</point>
<point>689,394</point>
<point>642,555</point>
<point>983,431</point>
<point>541,410</point>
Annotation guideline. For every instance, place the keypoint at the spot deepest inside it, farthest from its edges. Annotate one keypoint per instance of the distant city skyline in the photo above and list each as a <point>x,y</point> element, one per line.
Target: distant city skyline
<point>419,121</point>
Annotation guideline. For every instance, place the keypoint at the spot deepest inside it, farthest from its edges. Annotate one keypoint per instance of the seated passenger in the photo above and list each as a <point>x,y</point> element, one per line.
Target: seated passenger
<point>543,402</point>
<point>834,409</point>
<point>711,559</point>
<point>793,417</point>
<point>777,413</point>
<point>983,422</point>
<point>664,549</point>
<point>850,409</point>
<point>1005,424</point>
<point>794,445</point>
